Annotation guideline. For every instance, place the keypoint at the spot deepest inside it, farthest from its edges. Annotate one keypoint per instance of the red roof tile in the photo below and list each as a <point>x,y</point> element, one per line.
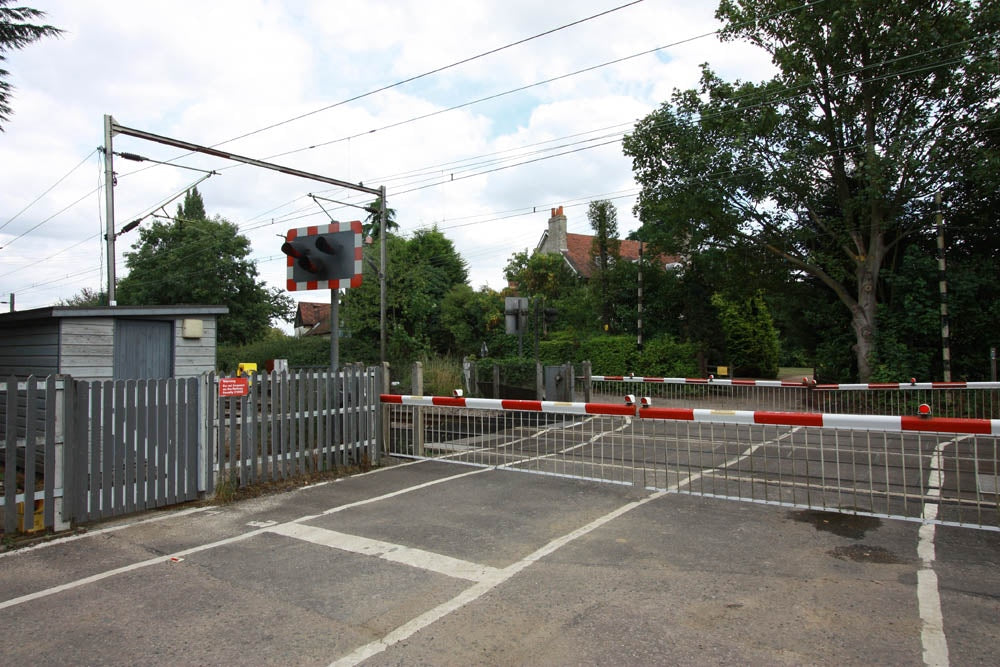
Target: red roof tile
<point>309,314</point>
<point>579,257</point>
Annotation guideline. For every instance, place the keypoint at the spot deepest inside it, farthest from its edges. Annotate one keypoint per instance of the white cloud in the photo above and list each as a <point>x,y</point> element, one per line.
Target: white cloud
<point>208,72</point>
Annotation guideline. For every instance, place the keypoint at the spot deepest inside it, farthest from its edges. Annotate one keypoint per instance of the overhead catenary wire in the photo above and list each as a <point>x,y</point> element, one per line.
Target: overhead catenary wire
<point>48,190</point>
<point>765,102</point>
<point>734,110</point>
<point>416,77</point>
<point>468,103</point>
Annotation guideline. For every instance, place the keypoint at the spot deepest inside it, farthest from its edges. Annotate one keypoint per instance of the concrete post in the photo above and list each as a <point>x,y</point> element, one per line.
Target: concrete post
<point>417,379</point>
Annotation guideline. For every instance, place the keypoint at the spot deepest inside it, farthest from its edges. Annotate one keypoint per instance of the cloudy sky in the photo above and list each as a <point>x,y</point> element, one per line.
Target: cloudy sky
<point>482,149</point>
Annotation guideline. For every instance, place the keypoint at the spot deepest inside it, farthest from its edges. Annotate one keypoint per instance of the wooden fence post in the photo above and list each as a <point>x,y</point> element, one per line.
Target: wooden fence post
<point>62,414</point>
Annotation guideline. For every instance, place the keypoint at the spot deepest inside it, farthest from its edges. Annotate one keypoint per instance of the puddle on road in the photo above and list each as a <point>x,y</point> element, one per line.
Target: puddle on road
<point>845,525</point>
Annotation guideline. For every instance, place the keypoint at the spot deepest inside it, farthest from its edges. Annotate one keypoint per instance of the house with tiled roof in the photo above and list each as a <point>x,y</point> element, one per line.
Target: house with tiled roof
<point>576,248</point>
<point>312,319</point>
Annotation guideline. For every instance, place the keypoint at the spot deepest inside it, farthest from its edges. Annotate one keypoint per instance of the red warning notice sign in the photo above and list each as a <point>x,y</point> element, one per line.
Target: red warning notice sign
<point>234,387</point>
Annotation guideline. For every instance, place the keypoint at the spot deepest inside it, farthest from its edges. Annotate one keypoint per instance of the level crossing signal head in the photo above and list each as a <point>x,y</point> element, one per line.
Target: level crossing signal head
<point>324,257</point>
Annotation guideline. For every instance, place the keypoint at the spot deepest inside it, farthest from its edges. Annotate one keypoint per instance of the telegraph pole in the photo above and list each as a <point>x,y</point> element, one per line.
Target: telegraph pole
<point>639,322</point>
<point>943,287</point>
<point>381,273</point>
<point>109,205</point>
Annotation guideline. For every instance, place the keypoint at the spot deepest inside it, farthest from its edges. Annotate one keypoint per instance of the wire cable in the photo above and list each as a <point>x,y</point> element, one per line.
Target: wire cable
<point>50,188</point>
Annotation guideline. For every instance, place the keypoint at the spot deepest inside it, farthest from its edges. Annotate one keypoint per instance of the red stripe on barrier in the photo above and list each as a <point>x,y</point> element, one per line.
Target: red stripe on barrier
<point>946,425</point>
<point>534,406</point>
<point>948,385</point>
<point>655,380</point>
<point>789,383</point>
<point>616,378</point>
<point>609,409</point>
<point>751,382</point>
<point>390,398</point>
<point>678,414</point>
<point>788,418</point>
<point>883,385</point>
<point>449,401</point>
<point>695,380</point>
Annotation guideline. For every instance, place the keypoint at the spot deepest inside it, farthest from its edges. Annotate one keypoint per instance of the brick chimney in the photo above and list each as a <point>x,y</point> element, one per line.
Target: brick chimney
<point>556,240</point>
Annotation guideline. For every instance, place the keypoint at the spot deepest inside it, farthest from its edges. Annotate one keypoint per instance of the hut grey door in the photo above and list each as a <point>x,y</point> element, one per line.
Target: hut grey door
<point>144,349</point>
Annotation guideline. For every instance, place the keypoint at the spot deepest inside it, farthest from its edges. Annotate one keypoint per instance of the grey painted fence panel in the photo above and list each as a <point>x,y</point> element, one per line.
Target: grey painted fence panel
<point>49,468</point>
<point>291,424</point>
<point>31,455</point>
<point>136,440</point>
<point>99,449</point>
<point>10,458</point>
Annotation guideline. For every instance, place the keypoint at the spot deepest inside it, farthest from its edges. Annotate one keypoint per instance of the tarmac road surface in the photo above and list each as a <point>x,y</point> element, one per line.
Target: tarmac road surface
<point>442,564</point>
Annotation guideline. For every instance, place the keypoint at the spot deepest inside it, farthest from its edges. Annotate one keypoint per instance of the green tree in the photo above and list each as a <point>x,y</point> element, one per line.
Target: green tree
<point>200,261</point>
<point>371,224</point>
<point>193,206</point>
<point>547,276</point>
<point>17,32</point>
<point>540,274</point>
<point>471,318</point>
<point>421,272</point>
<point>832,164</point>
<point>604,250</point>
<point>86,297</point>
<point>751,339</point>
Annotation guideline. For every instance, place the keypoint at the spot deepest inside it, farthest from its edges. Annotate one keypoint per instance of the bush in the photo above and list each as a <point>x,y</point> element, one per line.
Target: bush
<point>442,375</point>
<point>664,356</point>
<point>751,338</point>
<point>305,351</point>
<point>561,347</point>
<point>610,355</point>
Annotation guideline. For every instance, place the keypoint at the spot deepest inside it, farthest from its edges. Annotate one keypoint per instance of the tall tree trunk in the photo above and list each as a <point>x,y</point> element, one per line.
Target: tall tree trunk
<point>864,310</point>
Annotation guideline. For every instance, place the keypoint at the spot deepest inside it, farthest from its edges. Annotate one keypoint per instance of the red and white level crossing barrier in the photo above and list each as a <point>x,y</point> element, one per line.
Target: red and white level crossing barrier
<point>505,404</point>
<point>804,382</point>
<point>842,421</point>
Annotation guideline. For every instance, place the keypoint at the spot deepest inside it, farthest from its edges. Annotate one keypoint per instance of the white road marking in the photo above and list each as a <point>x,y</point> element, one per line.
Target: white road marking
<point>483,587</point>
<point>396,553</point>
<point>935,644</point>
<point>13,602</point>
<point>102,531</point>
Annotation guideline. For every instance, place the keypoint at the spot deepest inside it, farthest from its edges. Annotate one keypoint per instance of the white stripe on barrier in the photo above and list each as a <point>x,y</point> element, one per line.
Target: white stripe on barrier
<point>724,416</point>
<point>566,408</point>
<point>863,422</point>
<point>482,403</point>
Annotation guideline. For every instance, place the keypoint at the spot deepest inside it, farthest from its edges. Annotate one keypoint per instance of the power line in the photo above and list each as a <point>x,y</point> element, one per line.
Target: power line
<point>47,191</point>
<point>407,80</point>
<point>431,72</point>
<point>289,217</point>
<point>778,99</point>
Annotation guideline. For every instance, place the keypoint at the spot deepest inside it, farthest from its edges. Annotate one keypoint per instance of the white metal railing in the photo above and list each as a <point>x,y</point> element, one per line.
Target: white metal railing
<point>895,467</point>
<point>975,400</point>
